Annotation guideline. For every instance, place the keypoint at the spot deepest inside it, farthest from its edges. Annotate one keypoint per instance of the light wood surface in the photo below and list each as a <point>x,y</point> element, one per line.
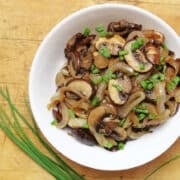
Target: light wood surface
<point>23,25</point>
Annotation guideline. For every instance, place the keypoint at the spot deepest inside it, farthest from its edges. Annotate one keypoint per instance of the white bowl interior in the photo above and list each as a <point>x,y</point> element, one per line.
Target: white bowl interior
<point>50,58</point>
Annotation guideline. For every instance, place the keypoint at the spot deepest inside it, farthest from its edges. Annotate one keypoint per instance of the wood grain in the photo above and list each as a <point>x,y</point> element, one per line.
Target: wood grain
<point>23,25</point>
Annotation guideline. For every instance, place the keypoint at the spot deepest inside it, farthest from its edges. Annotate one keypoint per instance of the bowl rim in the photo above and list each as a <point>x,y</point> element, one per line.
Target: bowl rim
<point>54,30</point>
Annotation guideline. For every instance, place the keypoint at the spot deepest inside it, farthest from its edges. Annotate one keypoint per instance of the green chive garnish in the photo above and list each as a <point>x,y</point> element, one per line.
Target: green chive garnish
<point>172,85</point>
<point>141,66</point>
<point>164,46</point>
<point>122,121</point>
<point>109,145</point>
<point>137,44</point>
<point>54,122</point>
<point>121,146</point>
<point>85,126</point>
<point>87,31</point>
<point>95,101</point>
<point>118,87</point>
<point>94,69</point>
<point>104,51</point>
<point>71,113</point>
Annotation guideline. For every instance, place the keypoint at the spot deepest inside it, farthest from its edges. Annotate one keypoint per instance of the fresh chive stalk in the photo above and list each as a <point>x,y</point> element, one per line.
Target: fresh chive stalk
<point>54,164</point>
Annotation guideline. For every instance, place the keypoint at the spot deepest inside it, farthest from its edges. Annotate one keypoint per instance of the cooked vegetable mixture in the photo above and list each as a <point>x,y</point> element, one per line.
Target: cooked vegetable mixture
<point>116,85</point>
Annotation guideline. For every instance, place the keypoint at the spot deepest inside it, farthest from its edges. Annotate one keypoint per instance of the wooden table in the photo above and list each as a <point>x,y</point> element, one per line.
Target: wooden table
<point>23,25</point>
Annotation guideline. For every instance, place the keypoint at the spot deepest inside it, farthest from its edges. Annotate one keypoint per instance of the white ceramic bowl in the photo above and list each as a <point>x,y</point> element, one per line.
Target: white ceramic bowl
<point>50,58</point>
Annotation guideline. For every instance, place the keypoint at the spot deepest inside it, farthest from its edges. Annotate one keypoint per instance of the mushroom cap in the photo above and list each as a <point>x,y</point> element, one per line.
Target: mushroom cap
<point>80,87</point>
<point>114,44</point>
<point>119,96</point>
<point>135,59</point>
<point>100,61</point>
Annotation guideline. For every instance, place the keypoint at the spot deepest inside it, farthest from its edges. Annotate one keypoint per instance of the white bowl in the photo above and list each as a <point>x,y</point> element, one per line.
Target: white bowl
<point>50,58</point>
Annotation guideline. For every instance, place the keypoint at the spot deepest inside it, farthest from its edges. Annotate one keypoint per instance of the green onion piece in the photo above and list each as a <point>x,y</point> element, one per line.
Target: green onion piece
<point>141,116</point>
<point>95,101</point>
<point>122,121</point>
<point>97,81</point>
<point>151,116</point>
<point>123,52</point>
<point>161,60</point>
<point>94,69</point>
<point>121,146</point>
<point>117,86</point>
<point>140,41</point>
<point>85,126</point>
<point>54,122</point>
<point>144,111</point>
<point>141,66</point>
<point>104,51</point>
<point>164,46</point>
<point>147,84</point>
<point>157,77</point>
<point>135,74</point>
<point>87,31</point>
<point>134,46</point>
<point>108,75</point>
<point>171,85</point>
<point>71,113</point>
<point>100,28</point>
<point>121,58</point>
<point>109,145</point>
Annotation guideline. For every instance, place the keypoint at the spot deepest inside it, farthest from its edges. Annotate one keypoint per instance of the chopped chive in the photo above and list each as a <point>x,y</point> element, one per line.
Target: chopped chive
<point>141,66</point>
<point>85,126</point>
<point>140,41</point>
<point>117,86</point>
<point>100,28</point>
<point>141,116</point>
<point>121,58</point>
<point>54,122</point>
<point>122,121</point>
<point>175,81</point>
<point>71,113</point>
<point>137,44</point>
<point>97,81</point>
<point>86,31</point>
<point>109,145</point>
<point>164,46</point>
<point>144,111</point>
<point>135,74</point>
<point>94,69</point>
<point>123,52</point>
<point>104,51</point>
<point>161,60</point>
<point>121,146</point>
<point>151,116</point>
<point>95,101</point>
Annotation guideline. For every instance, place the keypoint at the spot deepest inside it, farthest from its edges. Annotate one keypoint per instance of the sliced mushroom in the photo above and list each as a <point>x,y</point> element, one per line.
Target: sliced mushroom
<point>136,59</point>
<point>65,116</point>
<point>80,87</point>
<point>123,27</point>
<point>119,134</point>
<point>94,120</point>
<point>77,123</point>
<point>114,44</point>
<point>154,35</point>
<point>135,34</point>
<point>118,89</point>
<point>152,53</point>
<point>100,61</point>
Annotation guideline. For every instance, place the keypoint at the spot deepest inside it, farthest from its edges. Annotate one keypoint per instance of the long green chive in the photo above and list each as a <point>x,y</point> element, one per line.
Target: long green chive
<point>162,165</point>
<point>87,31</point>
<point>104,51</point>
<point>60,170</point>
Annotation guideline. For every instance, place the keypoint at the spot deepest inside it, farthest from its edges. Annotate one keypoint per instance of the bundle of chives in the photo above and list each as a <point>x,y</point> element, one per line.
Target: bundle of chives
<point>11,126</point>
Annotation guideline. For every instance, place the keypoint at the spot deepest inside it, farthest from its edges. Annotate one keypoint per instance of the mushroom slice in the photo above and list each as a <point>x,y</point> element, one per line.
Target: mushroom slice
<point>77,123</point>
<point>134,34</point>
<point>100,61</point>
<point>137,59</point>
<point>114,44</point>
<point>118,89</point>
<point>80,87</point>
<point>94,120</point>
<point>152,53</point>
<point>154,35</point>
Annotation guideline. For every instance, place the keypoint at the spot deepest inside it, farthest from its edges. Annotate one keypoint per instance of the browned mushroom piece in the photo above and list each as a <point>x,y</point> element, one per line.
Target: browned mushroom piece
<point>114,44</point>
<point>95,119</point>
<point>154,35</point>
<point>119,89</point>
<point>78,53</point>
<point>80,87</point>
<point>123,27</point>
<point>100,61</point>
<point>134,35</point>
<point>137,59</point>
<point>152,53</point>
